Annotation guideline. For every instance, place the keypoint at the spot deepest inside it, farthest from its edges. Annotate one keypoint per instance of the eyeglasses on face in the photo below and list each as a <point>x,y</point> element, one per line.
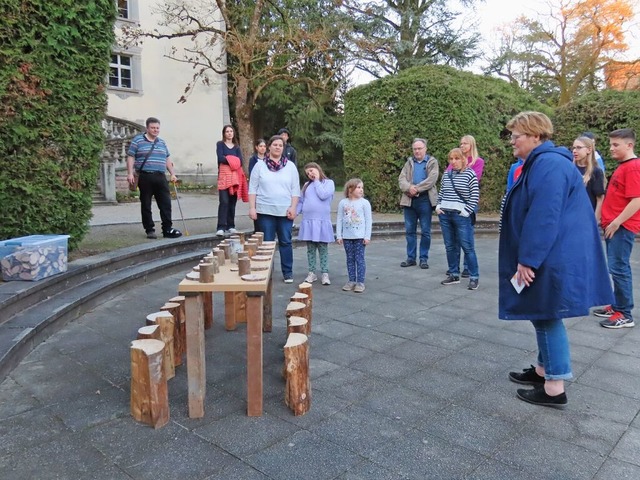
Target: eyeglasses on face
<point>517,136</point>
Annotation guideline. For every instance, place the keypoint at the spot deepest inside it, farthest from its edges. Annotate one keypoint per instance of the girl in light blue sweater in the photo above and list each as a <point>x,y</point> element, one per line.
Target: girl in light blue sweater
<point>353,230</point>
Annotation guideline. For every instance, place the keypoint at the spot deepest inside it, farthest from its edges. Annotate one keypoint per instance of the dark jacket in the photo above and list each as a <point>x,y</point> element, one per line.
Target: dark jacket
<point>548,224</point>
<point>290,153</point>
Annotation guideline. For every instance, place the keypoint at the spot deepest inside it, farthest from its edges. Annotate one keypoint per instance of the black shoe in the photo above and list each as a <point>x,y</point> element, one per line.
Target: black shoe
<point>528,376</point>
<point>538,396</point>
<point>424,265</point>
<point>465,273</point>
<point>450,280</point>
<point>408,263</point>
<point>172,233</point>
<point>152,235</point>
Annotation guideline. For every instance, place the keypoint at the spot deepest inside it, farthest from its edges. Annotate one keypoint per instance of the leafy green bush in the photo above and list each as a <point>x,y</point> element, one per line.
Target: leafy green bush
<point>53,63</point>
<point>437,103</point>
<point>599,113</point>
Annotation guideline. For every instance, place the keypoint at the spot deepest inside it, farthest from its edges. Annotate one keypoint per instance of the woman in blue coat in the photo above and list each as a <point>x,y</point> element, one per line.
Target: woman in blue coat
<point>550,244</point>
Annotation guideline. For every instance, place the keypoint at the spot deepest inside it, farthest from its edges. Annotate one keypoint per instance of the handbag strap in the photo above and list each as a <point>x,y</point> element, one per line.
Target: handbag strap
<point>146,157</point>
<point>456,190</point>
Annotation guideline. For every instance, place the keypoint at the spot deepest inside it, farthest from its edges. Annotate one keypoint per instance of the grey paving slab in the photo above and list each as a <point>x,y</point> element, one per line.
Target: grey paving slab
<point>304,455</point>
<point>368,470</point>
<point>628,447</point>
<point>616,469</point>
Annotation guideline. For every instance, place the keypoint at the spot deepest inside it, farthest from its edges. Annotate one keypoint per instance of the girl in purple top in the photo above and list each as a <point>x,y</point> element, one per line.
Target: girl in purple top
<point>316,228</point>
<point>470,150</point>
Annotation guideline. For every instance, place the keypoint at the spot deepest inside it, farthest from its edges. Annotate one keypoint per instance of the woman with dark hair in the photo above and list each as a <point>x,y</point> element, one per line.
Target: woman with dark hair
<point>274,190</point>
<point>231,180</point>
<point>551,262</point>
<point>260,148</point>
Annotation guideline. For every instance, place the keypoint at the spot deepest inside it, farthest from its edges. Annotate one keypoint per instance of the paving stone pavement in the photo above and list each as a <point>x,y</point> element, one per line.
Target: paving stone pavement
<point>409,380</point>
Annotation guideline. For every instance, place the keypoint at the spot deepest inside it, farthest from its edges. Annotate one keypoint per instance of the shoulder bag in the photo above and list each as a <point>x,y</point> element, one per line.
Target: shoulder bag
<point>134,186</point>
<point>472,215</point>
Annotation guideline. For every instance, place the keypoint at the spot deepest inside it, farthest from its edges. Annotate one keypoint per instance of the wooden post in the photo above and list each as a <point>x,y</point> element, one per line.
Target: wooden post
<point>206,273</point>
<point>267,307</point>
<point>166,323</point>
<point>254,354</point>
<point>244,266</point>
<point>297,394</point>
<point>195,354</point>
<point>149,393</point>
<point>235,309</point>
<point>149,332</point>
<point>177,311</point>
<point>207,302</point>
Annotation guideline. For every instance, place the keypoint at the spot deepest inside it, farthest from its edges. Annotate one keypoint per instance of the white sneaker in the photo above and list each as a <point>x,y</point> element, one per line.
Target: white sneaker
<point>325,279</point>
<point>288,280</point>
<point>233,231</point>
<point>312,277</point>
<point>220,233</point>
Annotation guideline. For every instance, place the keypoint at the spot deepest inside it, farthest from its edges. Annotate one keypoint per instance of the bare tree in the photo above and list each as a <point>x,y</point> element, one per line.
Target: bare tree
<point>255,43</point>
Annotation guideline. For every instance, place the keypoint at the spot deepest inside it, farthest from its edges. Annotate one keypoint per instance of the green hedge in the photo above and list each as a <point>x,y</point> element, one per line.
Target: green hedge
<point>599,113</point>
<point>437,103</point>
<point>53,64</point>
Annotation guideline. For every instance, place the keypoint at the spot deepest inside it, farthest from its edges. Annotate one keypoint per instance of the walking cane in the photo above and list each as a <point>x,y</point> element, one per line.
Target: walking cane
<point>175,188</point>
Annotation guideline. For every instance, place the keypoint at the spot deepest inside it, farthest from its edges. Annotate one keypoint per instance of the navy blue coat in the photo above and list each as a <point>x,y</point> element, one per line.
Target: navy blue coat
<point>548,224</point>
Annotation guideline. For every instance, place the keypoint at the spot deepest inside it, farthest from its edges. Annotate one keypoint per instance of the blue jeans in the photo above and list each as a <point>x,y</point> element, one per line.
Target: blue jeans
<point>281,226</point>
<point>457,232</point>
<point>618,256</point>
<point>419,211</point>
<point>553,349</point>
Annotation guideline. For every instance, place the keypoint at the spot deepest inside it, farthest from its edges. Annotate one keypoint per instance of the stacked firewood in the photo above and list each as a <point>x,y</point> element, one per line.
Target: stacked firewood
<point>31,263</point>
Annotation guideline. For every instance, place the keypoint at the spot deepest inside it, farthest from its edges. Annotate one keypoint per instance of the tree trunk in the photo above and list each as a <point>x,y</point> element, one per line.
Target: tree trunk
<point>149,393</point>
<point>244,113</point>
<point>297,395</point>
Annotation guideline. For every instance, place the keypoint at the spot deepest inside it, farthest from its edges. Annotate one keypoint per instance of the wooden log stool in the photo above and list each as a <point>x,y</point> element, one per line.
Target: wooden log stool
<point>177,311</point>
<point>297,324</point>
<point>295,309</point>
<point>235,309</point>
<point>308,313</point>
<point>297,393</point>
<point>182,316</point>
<point>307,289</point>
<point>149,332</point>
<point>166,323</point>
<point>149,393</point>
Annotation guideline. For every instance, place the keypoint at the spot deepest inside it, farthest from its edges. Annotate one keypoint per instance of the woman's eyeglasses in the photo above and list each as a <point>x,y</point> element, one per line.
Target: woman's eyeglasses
<point>516,137</point>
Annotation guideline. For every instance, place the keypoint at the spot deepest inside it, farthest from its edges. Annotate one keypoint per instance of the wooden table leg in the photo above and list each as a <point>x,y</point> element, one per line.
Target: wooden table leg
<point>254,353</point>
<point>194,320</point>
<point>267,309</point>
<point>229,311</point>
<point>207,300</point>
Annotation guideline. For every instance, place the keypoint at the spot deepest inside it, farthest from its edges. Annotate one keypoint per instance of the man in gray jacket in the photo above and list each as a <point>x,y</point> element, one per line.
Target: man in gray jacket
<point>417,182</point>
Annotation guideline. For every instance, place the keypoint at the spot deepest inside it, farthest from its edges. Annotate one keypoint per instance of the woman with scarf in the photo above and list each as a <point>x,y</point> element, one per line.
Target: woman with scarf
<point>274,190</point>
<point>231,180</point>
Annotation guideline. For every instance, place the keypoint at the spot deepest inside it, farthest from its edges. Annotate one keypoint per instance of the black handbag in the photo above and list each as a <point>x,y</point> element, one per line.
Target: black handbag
<point>134,186</point>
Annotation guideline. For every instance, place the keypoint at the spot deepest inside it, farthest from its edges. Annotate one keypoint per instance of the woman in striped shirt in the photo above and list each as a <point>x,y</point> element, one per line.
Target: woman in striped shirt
<point>457,202</point>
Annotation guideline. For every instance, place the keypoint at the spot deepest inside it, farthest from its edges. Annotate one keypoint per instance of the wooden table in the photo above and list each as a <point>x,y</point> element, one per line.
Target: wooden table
<point>258,312</point>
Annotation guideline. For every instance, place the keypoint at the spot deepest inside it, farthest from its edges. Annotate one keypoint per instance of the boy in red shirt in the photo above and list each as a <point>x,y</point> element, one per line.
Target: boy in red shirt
<point>621,222</point>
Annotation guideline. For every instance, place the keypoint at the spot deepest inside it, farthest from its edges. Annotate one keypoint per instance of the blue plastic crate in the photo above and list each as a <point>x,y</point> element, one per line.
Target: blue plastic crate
<point>53,246</point>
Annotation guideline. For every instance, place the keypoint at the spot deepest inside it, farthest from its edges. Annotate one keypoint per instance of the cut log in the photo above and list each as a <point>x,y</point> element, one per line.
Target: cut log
<point>206,273</point>
<point>297,325</point>
<point>297,309</point>
<point>297,394</point>
<point>182,325</point>
<point>177,310</point>
<point>244,266</point>
<point>166,323</point>
<point>307,288</point>
<point>308,313</point>
<point>149,393</point>
<point>149,332</point>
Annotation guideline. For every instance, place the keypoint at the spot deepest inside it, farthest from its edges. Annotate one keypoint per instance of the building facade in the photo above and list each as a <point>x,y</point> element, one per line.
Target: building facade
<point>143,82</point>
